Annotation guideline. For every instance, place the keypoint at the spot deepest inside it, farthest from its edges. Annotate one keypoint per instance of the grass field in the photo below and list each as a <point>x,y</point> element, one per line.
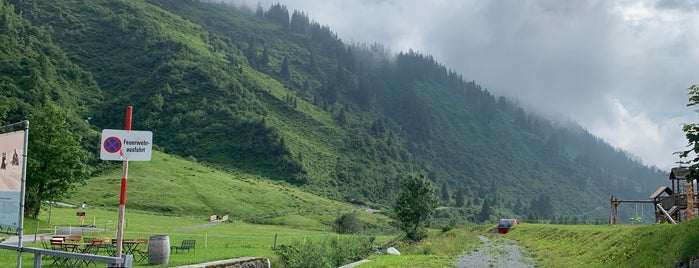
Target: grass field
<point>549,245</point>
<point>607,245</point>
<point>239,239</point>
<point>170,196</point>
<point>223,241</point>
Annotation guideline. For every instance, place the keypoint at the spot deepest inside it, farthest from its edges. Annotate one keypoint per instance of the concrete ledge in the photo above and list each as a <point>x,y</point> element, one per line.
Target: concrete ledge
<point>351,265</point>
<point>244,262</point>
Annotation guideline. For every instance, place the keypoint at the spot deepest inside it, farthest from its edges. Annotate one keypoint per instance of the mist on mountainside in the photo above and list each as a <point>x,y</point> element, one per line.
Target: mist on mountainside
<point>271,92</point>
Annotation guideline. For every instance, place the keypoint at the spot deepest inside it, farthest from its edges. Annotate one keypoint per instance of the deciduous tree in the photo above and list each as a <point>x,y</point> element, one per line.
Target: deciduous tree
<point>692,134</point>
<point>415,205</point>
<point>55,160</point>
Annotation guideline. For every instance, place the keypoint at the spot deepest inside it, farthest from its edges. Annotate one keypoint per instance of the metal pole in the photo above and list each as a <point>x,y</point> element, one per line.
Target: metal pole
<point>20,230</point>
<point>122,197</point>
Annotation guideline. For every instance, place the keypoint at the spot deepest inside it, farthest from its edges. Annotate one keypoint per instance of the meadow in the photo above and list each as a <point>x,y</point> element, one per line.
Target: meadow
<point>222,241</point>
<point>550,245</point>
<point>176,197</point>
<point>235,238</point>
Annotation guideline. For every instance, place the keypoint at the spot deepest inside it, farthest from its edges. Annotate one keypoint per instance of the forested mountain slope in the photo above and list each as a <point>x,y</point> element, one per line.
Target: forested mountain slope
<point>273,93</point>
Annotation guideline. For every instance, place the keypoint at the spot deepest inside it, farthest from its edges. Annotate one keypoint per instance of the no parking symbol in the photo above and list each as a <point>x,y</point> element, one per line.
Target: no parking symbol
<point>112,144</point>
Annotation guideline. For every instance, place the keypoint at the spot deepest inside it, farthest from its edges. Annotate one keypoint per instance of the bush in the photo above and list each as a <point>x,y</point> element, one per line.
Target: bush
<point>307,254</point>
<point>328,252</point>
<point>447,228</point>
<point>349,223</point>
<point>345,250</point>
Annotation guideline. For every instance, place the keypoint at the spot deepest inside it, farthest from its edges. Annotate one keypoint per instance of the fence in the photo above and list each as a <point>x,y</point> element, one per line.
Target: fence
<point>123,261</point>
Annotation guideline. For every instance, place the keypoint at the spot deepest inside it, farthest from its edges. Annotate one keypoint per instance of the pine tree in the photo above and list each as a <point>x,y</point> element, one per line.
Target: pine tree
<point>445,194</point>
<point>459,198</point>
<point>251,52</point>
<point>265,57</point>
<point>341,117</point>
<point>486,211</point>
<point>285,73</point>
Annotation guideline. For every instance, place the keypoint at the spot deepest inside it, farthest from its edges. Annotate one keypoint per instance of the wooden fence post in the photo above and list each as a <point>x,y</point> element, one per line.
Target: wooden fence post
<point>274,247</point>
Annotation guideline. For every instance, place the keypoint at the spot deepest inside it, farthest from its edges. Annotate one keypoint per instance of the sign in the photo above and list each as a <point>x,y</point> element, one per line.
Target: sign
<point>11,163</point>
<point>80,213</point>
<point>126,145</point>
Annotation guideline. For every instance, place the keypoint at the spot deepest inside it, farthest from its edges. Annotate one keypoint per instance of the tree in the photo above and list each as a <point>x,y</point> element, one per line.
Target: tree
<point>415,205</point>
<point>692,134</point>
<point>459,197</point>
<point>349,223</point>
<point>285,73</point>
<point>445,194</point>
<point>259,12</point>
<point>279,14</point>
<point>486,211</point>
<point>265,56</point>
<point>55,160</point>
<point>342,117</point>
<point>299,23</point>
<point>251,52</point>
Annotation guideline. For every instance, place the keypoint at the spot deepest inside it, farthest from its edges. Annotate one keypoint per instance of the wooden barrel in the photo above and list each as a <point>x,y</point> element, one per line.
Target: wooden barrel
<point>158,249</point>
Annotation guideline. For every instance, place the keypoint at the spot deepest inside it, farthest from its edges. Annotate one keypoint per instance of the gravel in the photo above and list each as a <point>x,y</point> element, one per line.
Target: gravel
<point>499,252</point>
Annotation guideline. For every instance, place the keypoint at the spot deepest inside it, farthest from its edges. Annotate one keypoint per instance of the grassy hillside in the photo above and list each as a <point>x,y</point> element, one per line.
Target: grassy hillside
<point>609,246</point>
<point>170,185</point>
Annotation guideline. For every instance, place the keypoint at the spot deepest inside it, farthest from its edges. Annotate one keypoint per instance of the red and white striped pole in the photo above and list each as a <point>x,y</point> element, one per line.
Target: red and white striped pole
<point>122,196</point>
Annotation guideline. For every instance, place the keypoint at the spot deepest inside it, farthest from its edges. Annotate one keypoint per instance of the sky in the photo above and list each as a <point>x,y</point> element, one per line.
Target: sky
<point>619,68</point>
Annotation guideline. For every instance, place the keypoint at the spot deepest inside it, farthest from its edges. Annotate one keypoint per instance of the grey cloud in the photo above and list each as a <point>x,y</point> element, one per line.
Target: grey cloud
<point>678,4</point>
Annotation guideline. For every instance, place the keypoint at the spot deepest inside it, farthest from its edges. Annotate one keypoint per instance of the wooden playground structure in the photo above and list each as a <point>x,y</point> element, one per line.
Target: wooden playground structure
<point>672,204</point>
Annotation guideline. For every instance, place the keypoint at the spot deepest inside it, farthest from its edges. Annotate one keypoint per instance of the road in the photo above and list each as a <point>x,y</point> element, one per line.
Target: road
<point>496,252</point>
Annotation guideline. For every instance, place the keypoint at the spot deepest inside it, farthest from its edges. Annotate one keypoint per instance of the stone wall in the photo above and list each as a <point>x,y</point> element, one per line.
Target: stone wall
<point>246,262</point>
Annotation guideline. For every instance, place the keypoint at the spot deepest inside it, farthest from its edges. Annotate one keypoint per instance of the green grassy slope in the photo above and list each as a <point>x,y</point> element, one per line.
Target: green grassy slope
<point>608,246</point>
<point>173,186</point>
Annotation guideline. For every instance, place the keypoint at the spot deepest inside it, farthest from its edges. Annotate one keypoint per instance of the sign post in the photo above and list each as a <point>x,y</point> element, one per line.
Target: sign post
<point>125,145</point>
<point>122,194</point>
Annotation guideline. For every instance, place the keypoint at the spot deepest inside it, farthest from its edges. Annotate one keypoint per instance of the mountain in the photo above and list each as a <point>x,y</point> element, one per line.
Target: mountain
<point>276,94</point>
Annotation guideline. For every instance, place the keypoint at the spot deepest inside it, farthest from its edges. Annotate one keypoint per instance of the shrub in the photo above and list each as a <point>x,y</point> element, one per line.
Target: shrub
<point>345,250</point>
<point>327,252</point>
<point>307,254</point>
<point>349,223</point>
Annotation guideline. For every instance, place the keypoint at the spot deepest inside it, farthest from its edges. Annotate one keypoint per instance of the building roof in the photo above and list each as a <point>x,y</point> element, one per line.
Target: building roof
<point>661,190</point>
<point>679,173</point>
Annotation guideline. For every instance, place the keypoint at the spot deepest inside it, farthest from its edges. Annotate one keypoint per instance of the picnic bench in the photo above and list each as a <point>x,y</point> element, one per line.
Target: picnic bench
<point>186,244</point>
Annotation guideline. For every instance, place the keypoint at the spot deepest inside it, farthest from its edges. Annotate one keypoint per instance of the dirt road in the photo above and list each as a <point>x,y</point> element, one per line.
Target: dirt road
<point>497,252</point>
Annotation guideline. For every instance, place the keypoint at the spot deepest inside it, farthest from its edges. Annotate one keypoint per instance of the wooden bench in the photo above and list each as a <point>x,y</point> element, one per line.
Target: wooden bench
<point>186,244</point>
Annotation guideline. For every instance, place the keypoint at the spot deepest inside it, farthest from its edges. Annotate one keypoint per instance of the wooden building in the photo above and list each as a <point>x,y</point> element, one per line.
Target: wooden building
<point>670,202</point>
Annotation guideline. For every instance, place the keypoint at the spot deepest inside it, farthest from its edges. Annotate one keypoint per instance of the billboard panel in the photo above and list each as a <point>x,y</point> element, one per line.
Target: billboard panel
<point>11,163</point>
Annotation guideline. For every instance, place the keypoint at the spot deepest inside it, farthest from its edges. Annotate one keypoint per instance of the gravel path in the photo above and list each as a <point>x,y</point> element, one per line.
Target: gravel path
<point>498,253</point>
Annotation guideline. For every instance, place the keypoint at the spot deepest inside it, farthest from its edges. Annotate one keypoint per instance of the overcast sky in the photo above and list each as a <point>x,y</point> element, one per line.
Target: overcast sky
<point>619,68</point>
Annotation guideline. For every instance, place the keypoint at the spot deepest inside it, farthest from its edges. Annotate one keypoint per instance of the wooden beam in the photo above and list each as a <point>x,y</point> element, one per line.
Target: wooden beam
<point>666,214</point>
